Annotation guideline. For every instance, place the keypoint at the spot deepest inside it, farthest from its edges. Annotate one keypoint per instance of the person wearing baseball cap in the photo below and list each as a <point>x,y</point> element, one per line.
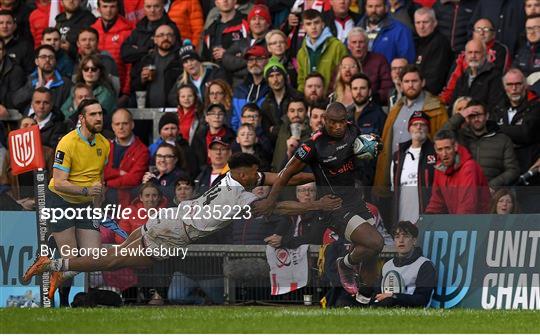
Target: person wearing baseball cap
<point>219,153</point>
<point>412,170</point>
<point>276,101</point>
<point>234,60</point>
<point>254,88</point>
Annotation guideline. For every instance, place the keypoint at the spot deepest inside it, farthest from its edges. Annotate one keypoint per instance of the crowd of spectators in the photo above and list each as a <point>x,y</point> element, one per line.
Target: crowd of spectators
<point>450,86</point>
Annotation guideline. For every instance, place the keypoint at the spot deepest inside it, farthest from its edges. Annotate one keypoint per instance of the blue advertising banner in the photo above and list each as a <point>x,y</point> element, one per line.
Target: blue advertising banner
<point>483,261</point>
<point>18,244</point>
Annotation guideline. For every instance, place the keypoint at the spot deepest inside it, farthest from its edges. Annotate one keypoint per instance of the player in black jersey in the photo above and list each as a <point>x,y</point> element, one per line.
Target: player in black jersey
<point>330,155</point>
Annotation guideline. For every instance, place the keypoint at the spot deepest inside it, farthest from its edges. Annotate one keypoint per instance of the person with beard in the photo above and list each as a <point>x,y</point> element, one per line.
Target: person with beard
<point>348,67</point>
<point>77,183</point>
<point>518,116</point>
<point>287,142</point>
<point>433,53</point>
<point>387,36</point>
<point>314,88</point>
<point>366,114</point>
<point>395,130</point>
<point>233,62</point>
<point>320,51</point>
<point>316,112</point>
<point>412,171</point>
<point>493,150</point>
<point>70,22</point>
<point>373,64</point>
<point>45,75</point>
<point>254,88</point>
<point>416,273</point>
<point>168,66</point>
<point>17,47</point>
<point>276,101</point>
<point>141,40</point>
<point>481,80</point>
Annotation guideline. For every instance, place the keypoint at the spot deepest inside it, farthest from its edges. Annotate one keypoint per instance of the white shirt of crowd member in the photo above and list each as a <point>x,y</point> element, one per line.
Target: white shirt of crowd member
<point>409,206</point>
<point>341,12</point>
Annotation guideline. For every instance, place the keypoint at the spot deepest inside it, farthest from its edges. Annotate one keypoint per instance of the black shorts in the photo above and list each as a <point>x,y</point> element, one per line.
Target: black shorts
<point>54,201</point>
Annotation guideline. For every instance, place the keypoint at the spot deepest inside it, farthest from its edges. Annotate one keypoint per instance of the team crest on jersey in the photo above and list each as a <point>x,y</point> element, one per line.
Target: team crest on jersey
<point>303,151</point>
<point>431,159</point>
<point>99,151</point>
<point>235,36</point>
<point>115,38</point>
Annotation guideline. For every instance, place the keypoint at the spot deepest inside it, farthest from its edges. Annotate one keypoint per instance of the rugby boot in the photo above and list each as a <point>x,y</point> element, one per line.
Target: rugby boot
<point>347,276</point>
<point>41,265</point>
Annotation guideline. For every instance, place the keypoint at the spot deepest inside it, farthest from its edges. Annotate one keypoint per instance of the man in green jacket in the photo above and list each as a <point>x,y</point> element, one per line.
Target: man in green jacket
<point>320,50</point>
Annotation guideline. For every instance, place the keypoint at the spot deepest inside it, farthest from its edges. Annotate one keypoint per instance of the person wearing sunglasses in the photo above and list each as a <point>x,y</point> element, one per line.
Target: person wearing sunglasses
<point>92,73</point>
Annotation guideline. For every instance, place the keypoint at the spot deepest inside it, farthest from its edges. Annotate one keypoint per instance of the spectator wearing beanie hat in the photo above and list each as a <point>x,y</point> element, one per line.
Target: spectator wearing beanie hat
<point>412,170</point>
<point>259,22</point>
<point>195,72</point>
<point>276,101</point>
<point>170,133</point>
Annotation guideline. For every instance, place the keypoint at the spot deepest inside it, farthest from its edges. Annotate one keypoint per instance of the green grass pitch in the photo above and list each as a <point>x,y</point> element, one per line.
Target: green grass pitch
<point>265,320</point>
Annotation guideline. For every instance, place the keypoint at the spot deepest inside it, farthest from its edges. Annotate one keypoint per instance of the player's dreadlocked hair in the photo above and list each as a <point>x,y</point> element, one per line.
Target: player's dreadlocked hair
<point>240,160</point>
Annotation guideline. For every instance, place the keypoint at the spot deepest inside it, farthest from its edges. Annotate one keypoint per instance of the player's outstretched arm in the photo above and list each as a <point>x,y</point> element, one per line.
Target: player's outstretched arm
<point>297,179</point>
<point>292,208</point>
<point>266,206</point>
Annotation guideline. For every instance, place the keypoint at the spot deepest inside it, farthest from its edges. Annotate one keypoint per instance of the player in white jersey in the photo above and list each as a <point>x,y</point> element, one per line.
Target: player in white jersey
<point>215,209</point>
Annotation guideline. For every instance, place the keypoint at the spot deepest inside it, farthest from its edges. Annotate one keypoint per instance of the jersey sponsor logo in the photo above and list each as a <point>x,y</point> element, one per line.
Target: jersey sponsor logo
<point>59,157</point>
<point>303,151</point>
<point>349,166</point>
<point>329,159</point>
<point>341,147</point>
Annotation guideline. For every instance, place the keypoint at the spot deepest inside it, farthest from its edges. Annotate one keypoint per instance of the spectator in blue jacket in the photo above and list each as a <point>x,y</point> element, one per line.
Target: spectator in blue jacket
<point>254,89</point>
<point>387,36</point>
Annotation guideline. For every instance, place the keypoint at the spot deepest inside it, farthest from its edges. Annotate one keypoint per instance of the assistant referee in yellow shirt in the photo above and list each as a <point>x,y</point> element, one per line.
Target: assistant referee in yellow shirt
<point>77,182</point>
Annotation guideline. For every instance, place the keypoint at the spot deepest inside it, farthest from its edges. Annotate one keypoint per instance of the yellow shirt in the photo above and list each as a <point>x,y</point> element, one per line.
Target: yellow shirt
<point>82,160</point>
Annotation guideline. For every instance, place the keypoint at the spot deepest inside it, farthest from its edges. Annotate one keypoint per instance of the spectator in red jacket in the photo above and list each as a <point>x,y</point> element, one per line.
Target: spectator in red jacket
<point>113,30</point>
<point>150,198</point>
<point>459,186</point>
<point>128,159</point>
<point>40,19</point>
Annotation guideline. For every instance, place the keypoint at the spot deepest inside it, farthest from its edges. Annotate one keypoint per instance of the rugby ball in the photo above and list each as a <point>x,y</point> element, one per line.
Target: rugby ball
<point>367,146</point>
